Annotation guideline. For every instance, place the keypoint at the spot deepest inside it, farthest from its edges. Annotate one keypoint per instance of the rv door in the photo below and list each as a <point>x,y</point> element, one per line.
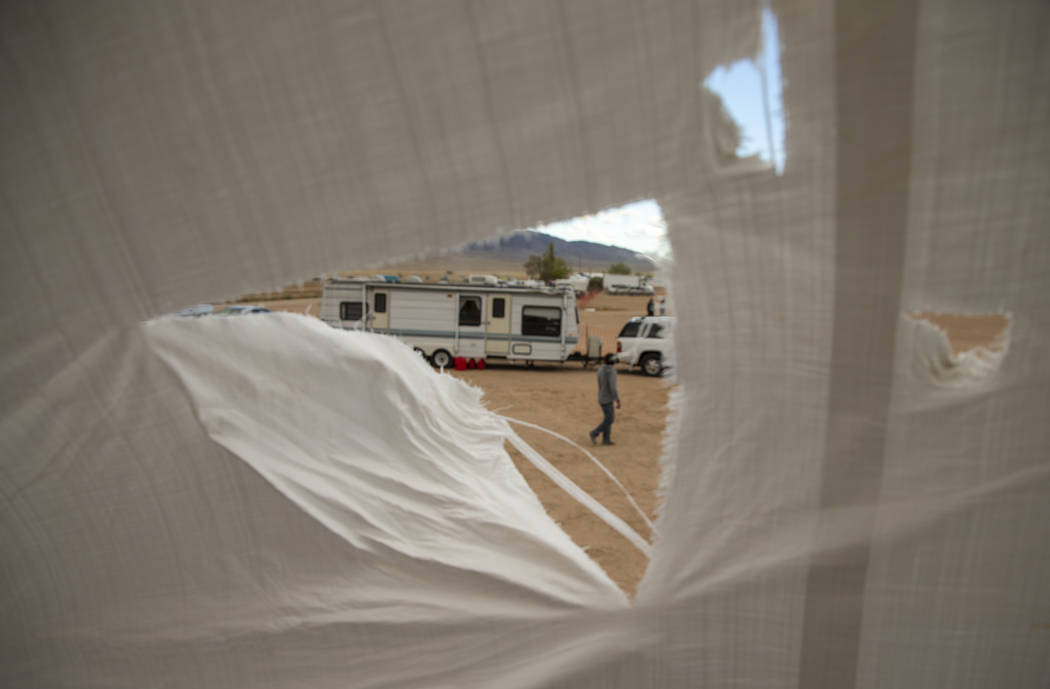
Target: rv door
<point>497,330</point>
<point>380,303</point>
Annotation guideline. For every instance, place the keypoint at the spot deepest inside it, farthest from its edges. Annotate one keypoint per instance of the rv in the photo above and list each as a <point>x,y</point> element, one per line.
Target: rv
<point>470,321</point>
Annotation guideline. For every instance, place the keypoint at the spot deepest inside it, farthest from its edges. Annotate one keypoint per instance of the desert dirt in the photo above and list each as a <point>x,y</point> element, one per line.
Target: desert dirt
<point>563,399</point>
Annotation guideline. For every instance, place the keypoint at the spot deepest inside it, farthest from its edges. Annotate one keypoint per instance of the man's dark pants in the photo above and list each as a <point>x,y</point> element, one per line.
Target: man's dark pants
<point>605,427</point>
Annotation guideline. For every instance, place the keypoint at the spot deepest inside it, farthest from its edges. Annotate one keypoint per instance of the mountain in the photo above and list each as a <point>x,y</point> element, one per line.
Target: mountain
<point>518,246</point>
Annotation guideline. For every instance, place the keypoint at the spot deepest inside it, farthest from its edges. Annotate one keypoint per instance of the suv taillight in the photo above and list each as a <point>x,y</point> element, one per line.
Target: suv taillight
<point>619,346</point>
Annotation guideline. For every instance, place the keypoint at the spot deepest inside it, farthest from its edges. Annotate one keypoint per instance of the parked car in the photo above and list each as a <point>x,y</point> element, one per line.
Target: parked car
<point>645,342</point>
<point>242,310</point>
<point>196,311</point>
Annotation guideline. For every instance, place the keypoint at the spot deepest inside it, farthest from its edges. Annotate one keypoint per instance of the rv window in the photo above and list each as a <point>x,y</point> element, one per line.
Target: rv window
<point>350,310</point>
<point>380,302</point>
<point>541,320</point>
<point>499,304</point>
<point>470,310</point>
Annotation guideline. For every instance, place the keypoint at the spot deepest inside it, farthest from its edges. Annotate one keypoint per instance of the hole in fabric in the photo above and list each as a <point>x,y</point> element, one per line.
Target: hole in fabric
<point>962,348</point>
<point>611,268</point>
<point>750,94</point>
<point>563,397</point>
<point>969,332</point>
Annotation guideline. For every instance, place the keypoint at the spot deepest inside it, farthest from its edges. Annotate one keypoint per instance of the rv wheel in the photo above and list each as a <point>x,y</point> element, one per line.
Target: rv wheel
<point>441,359</point>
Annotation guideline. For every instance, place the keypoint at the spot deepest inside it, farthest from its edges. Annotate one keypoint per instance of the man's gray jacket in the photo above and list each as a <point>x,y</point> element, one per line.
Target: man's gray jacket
<point>607,393</point>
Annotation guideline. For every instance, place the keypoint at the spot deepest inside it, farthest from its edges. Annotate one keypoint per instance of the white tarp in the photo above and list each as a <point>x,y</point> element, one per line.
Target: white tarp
<point>843,509</point>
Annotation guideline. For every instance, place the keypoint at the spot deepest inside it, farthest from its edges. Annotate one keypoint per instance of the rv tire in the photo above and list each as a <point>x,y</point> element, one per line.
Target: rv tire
<point>441,359</point>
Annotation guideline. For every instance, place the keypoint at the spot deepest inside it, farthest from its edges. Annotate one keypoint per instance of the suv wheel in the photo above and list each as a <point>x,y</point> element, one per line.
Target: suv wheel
<point>651,364</point>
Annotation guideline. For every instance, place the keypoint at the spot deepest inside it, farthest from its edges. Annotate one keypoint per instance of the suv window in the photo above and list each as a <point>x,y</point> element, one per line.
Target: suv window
<point>350,310</point>
<point>631,329</point>
<point>544,321</point>
<point>656,330</point>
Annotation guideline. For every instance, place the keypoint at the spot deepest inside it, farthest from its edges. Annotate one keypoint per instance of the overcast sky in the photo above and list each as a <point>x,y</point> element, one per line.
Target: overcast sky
<point>636,226</point>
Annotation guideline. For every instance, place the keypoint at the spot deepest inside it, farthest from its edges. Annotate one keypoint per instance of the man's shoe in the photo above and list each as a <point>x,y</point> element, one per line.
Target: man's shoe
<point>608,442</point>
<point>594,438</point>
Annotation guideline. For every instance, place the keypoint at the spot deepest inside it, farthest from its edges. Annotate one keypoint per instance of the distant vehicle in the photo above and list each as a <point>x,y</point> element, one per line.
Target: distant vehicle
<point>242,310</point>
<point>645,342</point>
<point>196,311</point>
<point>626,284</point>
<point>578,283</point>
<point>613,282</point>
<point>471,321</point>
<point>483,280</point>
<point>414,279</point>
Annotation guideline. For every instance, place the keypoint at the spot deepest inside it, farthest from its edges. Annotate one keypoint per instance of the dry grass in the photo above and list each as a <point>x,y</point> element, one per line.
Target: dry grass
<point>307,290</point>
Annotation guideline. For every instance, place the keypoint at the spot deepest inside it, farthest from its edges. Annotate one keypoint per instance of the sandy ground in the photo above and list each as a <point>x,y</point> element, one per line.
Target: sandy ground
<point>563,398</point>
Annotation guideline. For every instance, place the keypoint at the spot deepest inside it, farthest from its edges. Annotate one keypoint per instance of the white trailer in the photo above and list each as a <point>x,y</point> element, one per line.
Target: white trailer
<point>614,281</point>
<point>626,284</point>
<point>471,321</point>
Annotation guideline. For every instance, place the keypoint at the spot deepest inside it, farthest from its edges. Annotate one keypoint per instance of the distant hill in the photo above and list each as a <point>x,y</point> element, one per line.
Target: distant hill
<point>590,256</point>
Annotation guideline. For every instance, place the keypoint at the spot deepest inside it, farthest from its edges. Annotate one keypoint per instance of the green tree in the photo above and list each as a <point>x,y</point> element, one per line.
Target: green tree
<point>533,266</point>
<point>548,266</point>
<point>619,269</point>
<point>553,267</point>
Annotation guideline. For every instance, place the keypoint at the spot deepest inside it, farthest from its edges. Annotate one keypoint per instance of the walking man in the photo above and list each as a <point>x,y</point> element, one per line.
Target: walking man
<point>649,308</point>
<point>607,395</point>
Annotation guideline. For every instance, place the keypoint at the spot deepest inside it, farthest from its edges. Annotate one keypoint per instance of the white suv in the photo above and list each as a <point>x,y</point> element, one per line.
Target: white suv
<point>645,341</point>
